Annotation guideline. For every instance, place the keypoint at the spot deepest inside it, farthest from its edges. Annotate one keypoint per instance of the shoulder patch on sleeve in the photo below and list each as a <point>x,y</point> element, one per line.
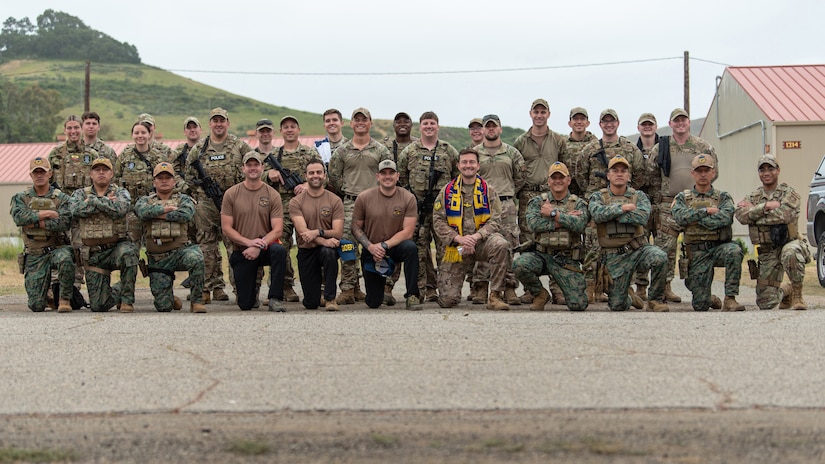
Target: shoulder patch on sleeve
<point>437,205</point>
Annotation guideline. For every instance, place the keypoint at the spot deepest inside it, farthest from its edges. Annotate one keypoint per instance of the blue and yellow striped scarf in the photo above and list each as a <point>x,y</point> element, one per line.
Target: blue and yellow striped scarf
<point>453,208</point>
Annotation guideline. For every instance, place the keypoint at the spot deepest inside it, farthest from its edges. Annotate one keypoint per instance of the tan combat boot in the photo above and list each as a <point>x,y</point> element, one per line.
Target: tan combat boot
<point>357,294</point>
<point>64,306</point>
<point>496,302</point>
<point>641,292</point>
<point>796,298</point>
<point>634,299</point>
<point>389,300</point>
<point>670,296</point>
<point>657,306</point>
<point>787,294</point>
<point>431,295</point>
<point>527,298</point>
<point>197,308</point>
<point>558,295</point>
<point>127,308</point>
<point>590,291</point>
<point>347,297</point>
<point>481,289</point>
<point>289,294</point>
<point>219,295</point>
<point>207,297</point>
<point>510,296</point>
<point>732,305</point>
<point>715,302</point>
<point>330,305</point>
<point>176,303</point>
<point>540,300</point>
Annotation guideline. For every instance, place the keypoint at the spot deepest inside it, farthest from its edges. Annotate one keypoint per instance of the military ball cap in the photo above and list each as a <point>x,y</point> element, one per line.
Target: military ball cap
<point>39,162</point>
<point>146,117</point>
<point>219,112</point>
<point>387,164</point>
<point>475,121</point>
<point>618,159</point>
<point>163,167</point>
<point>558,166</point>
<point>401,114</point>
<point>252,155</point>
<point>190,119</point>
<point>491,117</point>
<point>647,117</point>
<point>678,112</point>
<point>287,118</point>
<point>539,101</point>
<point>264,124</point>
<point>702,160</point>
<point>579,110</point>
<point>363,111</point>
<point>609,112</point>
<point>102,162</point>
<point>767,159</point>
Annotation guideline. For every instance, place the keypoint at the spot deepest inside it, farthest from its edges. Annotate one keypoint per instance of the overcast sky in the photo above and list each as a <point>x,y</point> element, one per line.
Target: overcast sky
<point>555,45</point>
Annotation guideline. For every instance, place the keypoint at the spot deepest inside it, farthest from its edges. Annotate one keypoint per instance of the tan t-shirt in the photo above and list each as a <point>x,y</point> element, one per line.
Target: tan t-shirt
<point>383,216</point>
<point>252,210</point>
<point>317,212</point>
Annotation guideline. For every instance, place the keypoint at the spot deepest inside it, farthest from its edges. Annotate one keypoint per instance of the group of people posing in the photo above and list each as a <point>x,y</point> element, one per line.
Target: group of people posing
<point>596,215</point>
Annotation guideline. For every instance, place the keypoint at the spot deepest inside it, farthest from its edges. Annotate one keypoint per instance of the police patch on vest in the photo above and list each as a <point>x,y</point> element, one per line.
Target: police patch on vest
<point>131,165</point>
<point>263,202</point>
<point>429,158</point>
<point>396,211</point>
<point>220,157</point>
<point>326,211</point>
<point>87,159</point>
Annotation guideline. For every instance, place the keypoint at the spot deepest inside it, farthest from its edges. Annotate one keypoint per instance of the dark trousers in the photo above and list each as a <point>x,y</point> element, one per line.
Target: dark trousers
<point>246,271</point>
<point>405,252</point>
<point>316,265</point>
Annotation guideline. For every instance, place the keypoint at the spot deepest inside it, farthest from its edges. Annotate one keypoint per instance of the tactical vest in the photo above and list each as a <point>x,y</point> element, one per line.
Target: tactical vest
<point>100,229</point>
<point>221,166</point>
<point>75,168</point>
<point>613,234</point>
<point>160,235</point>
<point>760,234</point>
<point>136,175</point>
<point>37,237</point>
<point>419,168</point>
<point>560,239</point>
<point>694,232</point>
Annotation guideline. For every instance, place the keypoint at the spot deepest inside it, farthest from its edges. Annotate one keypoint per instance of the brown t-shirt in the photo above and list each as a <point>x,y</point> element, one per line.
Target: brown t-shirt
<point>383,216</point>
<point>252,210</point>
<point>317,212</point>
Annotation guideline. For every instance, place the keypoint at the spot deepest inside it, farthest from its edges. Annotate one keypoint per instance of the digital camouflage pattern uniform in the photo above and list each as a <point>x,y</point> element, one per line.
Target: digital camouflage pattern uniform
<point>591,176</point>
<point>775,260</point>
<point>135,175</point>
<point>168,248</point>
<point>622,261</point>
<point>105,247</point>
<point>559,249</point>
<point>414,173</point>
<point>222,162</point>
<point>663,188</point>
<point>296,161</point>
<point>493,248</point>
<point>708,242</point>
<point>570,158</point>
<point>44,248</point>
<point>351,171</point>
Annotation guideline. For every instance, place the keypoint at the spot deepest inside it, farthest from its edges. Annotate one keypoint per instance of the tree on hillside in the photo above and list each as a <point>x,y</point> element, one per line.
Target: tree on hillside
<point>59,35</point>
<point>28,115</point>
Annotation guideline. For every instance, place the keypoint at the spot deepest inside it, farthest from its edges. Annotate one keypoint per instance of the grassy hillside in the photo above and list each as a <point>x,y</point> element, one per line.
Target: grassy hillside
<point>119,92</point>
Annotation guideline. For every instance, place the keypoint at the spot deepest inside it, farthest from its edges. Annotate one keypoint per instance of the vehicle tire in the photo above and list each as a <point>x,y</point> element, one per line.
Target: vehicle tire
<point>820,259</point>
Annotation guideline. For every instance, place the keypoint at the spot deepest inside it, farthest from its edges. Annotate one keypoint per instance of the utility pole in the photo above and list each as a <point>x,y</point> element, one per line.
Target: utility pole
<point>86,88</point>
<point>687,81</point>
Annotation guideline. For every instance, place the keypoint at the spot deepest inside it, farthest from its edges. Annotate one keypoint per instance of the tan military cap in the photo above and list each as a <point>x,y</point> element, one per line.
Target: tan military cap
<point>39,162</point>
<point>558,166</point>
<point>702,160</point>
<point>647,117</point>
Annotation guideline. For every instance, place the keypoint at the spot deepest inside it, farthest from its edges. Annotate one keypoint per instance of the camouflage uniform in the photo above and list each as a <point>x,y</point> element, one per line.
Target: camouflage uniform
<point>792,256</point>
<point>222,162</point>
<point>664,187</point>
<point>708,242</point>
<point>558,251</point>
<point>105,248</point>
<point>45,249</point>
<point>622,261</point>
<point>493,248</point>
<point>642,279</point>
<point>351,171</point>
<point>168,248</point>
<point>99,148</point>
<point>179,163</point>
<point>505,172</point>
<point>414,173</point>
<point>132,173</point>
<point>570,158</point>
<point>589,175</point>
<point>537,161</point>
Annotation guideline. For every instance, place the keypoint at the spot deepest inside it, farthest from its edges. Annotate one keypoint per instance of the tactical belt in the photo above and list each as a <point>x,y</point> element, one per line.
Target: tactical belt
<point>704,246</point>
<point>41,251</point>
<point>104,247</point>
<point>554,251</point>
<point>626,248</point>
<point>766,247</point>
<point>161,256</point>
<point>505,198</point>
<point>535,188</point>
<point>350,197</point>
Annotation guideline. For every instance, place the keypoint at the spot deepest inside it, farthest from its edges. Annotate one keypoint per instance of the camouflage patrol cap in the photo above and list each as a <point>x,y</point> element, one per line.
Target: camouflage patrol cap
<point>102,162</point>
<point>387,164</point>
<point>190,119</point>
<point>702,160</point>
<point>287,118</point>
<point>218,112</point>
<point>163,167</point>
<point>560,167</point>
<point>39,162</point>
<point>539,101</point>
<point>767,159</point>
<point>609,112</point>
<point>475,121</point>
<point>647,117</point>
<point>678,112</point>
<point>252,155</point>
<point>579,110</point>
<point>146,117</point>
<point>618,159</point>
<point>363,111</point>
<point>491,117</point>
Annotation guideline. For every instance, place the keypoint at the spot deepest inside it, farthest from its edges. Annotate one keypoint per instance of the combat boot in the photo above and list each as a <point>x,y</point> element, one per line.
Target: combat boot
<point>670,296</point>
<point>715,302</point>
<point>197,308</point>
<point>64,306</point>
<point>510,296</point>
<point>558,295</point>
<point>641,292</point>
<point>496,302</point>
<point>431,295</point>
<point>207,297</point>
<point>591,291</point>
<point>540,300</point>
<point>634,299</point>
<point>732,305</point>
<point>787,294</point>
<point>481,289</point>
<point>176,303</point>
<point>330,305</point>
<point>657,306</point>
<point>357,294</point>
<point>796,297</point>
<point>290,295</point>
<point>219,295</point>
<point>527,298</point>
<point>51,302</point>
<point>127,308</point>
<point>389,300</point>
<point>347,297</point>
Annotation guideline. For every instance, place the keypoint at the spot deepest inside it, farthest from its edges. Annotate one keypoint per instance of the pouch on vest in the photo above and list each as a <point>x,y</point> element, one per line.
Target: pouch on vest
<point>779,235</point>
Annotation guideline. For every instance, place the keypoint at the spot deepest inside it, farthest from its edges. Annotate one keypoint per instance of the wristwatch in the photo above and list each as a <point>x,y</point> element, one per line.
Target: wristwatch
<point>384,246</point>
<point>554,213</point>
<point>321,232</point>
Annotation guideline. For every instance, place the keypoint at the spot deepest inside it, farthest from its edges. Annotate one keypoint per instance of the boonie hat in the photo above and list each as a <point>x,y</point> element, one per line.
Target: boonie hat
<point>491,117</point>
<point>678,112</point>
<point>558,166</point>
<point>163,167</point>
<point>702,160</point>
<point>39,162</point>
<point>539,101</point>
<point>363,111</point>
<point>618,159</point>
<point>252,155</point>
<point>102,161</point>
<point>647,117</point>
<point>218,112</point>
<point>387,164</point>
<point>475,121</point>
<point>346,251</point>
<point>383,267</point>
<point>264,124</point>
<point>611,112</point>
<point>191,119</point>
<point>767,159</point>
<point>579,110</point>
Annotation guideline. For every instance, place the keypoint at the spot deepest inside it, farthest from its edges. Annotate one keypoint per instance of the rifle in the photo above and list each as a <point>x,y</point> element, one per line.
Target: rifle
<point>209,186</point>
<point>603,158</point>
<point>291,179</point>
<point>182,157</point>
